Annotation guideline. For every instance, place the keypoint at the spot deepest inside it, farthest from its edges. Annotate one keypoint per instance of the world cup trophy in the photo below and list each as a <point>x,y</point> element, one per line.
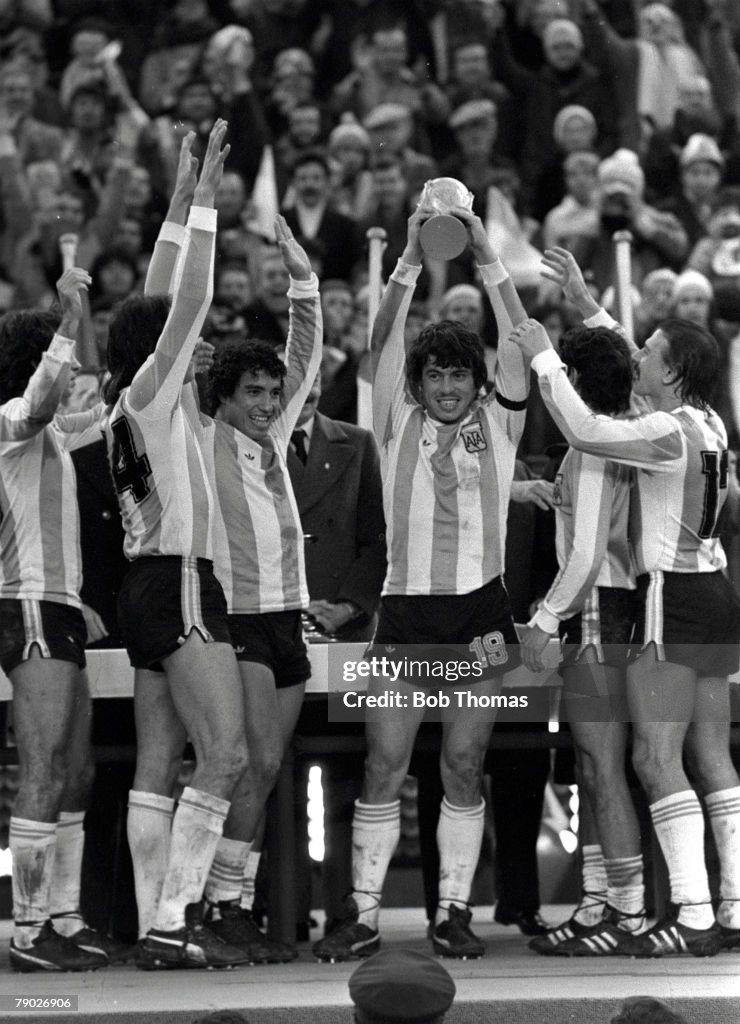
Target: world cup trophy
<point>443,236</point>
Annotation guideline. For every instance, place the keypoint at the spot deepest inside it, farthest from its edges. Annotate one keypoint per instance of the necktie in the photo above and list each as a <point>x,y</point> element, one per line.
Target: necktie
<point>298,439</point>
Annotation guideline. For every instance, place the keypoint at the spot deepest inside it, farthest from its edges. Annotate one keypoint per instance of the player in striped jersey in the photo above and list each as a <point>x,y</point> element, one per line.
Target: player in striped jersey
<point>591,602</point>
<point>42,632</point>
<point>172,607</point>
<point>447,461</point>
<point>688,615</point>
<point>256,399</point>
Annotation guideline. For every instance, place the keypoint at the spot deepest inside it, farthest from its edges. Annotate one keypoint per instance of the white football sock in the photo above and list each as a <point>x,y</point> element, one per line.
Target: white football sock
<point>196,829</point>
<point>459,838</point>
<point>376,829</point>
<point>32,847</point>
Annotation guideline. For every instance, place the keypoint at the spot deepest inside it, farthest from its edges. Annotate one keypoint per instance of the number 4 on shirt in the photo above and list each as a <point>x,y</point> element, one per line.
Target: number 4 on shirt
<point>131,471</point>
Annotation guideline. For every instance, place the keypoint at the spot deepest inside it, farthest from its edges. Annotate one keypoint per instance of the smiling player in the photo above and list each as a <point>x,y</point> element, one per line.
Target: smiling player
<point>447,460</point>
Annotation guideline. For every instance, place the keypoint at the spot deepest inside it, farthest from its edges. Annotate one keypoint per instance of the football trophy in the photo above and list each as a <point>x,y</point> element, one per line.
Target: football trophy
<point>443,236</point>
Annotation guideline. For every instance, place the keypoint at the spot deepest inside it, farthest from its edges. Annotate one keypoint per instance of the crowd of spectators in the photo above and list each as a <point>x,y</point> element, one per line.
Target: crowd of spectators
<point>566,119</point>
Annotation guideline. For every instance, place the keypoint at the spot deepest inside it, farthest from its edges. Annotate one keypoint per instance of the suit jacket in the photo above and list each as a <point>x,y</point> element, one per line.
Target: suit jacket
<point>340,501</point>
<point>337,239</point>
<point>101,537</point>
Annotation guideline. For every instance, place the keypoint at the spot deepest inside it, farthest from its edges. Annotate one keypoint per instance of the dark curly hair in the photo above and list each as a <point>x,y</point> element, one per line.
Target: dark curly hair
<point>694,355</point>
<point>132,337</point>
<point>604,364</point>
<point>451,344</point>
<point>236,358</point>
<point>24,337</point>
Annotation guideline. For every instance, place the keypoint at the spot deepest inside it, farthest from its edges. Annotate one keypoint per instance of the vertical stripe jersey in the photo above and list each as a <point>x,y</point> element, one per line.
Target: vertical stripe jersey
<point>40,556</point>
<point>682,480</point>
<point>592,498</point>
<point>157,462</point>
<point>258,537</point>
<point>446,486</point>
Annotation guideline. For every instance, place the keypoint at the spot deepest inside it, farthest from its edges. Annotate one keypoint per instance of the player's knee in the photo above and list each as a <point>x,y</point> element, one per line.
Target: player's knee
<point>461,769</point>
<point>596,767</point>
<point>384,775</point>
<point>646,761</point>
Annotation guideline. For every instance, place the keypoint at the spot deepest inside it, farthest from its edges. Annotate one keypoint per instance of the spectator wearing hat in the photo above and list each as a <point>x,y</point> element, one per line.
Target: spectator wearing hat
<point>351,180</point>
<point>702,170</point>
<point>566,79</point>
<point>401,987</point>
<point>575,215</point>
<point>573,130</point>
<point>472,79</point>
<point>391,128</point>
<point>696,113</point>
<point>658,238</point>
<point>477,161</point>
<point>692,297</point>
<point>383,76</point>
<point>312,220</point>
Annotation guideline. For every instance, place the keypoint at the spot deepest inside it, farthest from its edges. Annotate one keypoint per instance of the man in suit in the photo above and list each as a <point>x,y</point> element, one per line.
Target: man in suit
<point>332,236</point>
<point>337,487</point>
<point>335,472</point>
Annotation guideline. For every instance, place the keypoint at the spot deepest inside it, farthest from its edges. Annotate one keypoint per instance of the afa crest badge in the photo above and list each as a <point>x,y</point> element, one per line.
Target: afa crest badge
<point>473,438</point>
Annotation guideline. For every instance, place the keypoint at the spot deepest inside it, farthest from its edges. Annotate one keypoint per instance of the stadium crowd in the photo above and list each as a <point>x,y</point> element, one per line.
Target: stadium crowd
<point>211,170</point>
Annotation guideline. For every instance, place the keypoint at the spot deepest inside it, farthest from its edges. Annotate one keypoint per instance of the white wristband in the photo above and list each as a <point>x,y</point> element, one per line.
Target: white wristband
<point>171,232</point>
<point>203,218</point>
<point>405,273</point>
<point>493,273</point>
<point>304,289</point>
<point>600,319</point>
<point>61,348</point>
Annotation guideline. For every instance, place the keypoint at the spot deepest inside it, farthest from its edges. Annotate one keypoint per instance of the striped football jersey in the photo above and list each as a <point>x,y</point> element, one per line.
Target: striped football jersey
<point>445,486</point>
<point>157,463</point>
<point>258,537</point>
<point>592,499</point>
<point>40,556</point>
<point>681,483</point>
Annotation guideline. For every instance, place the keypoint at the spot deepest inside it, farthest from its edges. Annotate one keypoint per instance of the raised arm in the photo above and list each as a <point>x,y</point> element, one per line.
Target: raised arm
<point>305,330</point>
<point>162,376</point>
<point>653,440</point>
<point>387,346</point>
<point>511,378</point>
<point>23,417</point>
<point>560,266</point>
<point>160,277</point>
